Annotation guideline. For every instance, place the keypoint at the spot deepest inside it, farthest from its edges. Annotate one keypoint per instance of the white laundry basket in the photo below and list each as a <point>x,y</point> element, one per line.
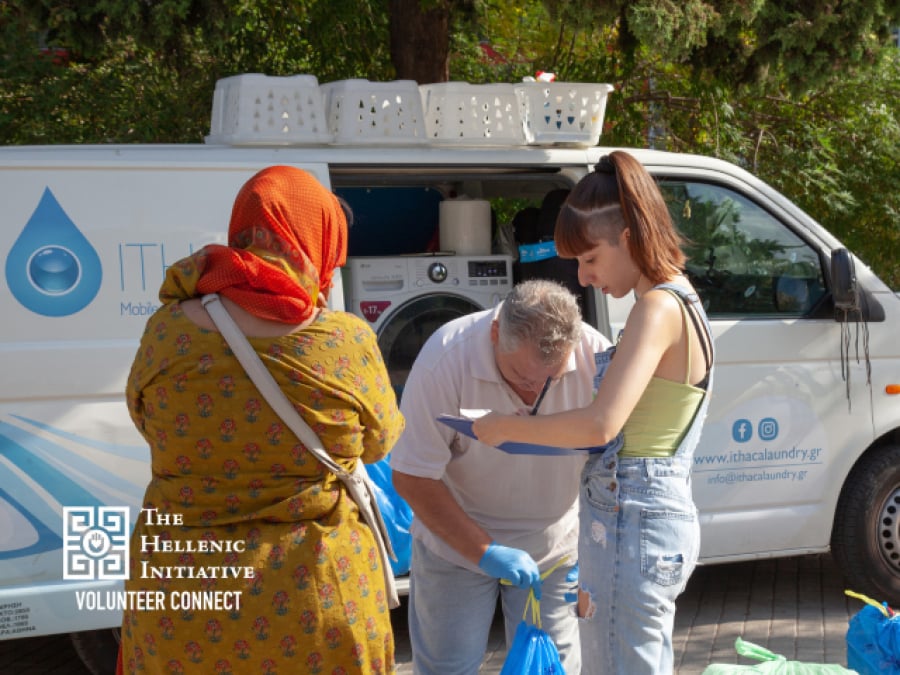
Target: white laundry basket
<point>362,111</point>
<point>476,114</point>
<point>256,109</point>
<point>563,112</point>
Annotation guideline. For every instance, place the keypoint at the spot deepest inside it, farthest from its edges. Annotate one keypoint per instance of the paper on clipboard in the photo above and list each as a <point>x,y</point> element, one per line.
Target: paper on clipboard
<point>463,424</point>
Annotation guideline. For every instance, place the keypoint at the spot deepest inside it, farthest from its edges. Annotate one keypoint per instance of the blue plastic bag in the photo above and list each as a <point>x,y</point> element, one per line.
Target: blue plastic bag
<point>396,513</point>
<point>873,639</point>
<point>532,651</point>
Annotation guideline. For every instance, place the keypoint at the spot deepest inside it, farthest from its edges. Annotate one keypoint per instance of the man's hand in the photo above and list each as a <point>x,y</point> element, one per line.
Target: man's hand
<point>512,564</point>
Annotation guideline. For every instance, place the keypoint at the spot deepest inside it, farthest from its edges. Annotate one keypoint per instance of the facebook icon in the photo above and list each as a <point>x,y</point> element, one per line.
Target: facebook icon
<point>742,431</point>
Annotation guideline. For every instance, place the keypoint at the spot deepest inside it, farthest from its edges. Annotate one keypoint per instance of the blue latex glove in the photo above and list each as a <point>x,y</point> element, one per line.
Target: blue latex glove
<point>512,564</point>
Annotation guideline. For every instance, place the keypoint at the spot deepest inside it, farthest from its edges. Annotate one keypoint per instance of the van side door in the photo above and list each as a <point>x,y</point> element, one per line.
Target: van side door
<point>772,457</point>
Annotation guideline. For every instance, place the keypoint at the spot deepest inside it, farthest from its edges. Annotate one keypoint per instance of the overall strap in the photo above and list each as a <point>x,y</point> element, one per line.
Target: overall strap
<point>684,322</point>
<point>704,334</point>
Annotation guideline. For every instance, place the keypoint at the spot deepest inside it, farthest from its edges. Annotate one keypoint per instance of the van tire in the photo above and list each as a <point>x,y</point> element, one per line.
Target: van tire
<point>865,540</point>
<point>98,649</point>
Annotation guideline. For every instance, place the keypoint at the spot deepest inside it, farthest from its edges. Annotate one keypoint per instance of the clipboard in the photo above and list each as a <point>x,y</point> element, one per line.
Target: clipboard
<point>463,425</point>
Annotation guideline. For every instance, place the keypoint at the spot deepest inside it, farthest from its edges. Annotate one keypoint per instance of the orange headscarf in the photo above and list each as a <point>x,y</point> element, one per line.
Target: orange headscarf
<point>287,235</point>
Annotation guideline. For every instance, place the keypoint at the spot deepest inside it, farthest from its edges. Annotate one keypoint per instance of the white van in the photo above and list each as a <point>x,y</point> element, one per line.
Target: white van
<point>801,452</point>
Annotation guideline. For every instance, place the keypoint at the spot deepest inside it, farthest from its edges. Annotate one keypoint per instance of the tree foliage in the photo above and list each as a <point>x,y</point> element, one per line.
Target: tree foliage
<point>798,44</point>
<point>120,71</point>
<point>802,93</point>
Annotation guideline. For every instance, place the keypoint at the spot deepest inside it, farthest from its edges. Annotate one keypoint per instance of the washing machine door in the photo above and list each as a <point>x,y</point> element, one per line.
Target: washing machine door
<point>404,332</point>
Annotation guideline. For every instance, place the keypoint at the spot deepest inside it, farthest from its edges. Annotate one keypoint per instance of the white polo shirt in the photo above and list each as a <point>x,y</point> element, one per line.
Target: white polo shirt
<point>528,502</point>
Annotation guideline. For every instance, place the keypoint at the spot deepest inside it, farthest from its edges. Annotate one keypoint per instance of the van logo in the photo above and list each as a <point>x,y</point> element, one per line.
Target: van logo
<point>52,269</point>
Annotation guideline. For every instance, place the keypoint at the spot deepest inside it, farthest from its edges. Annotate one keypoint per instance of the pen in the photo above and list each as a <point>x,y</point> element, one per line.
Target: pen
<point>540,397</point>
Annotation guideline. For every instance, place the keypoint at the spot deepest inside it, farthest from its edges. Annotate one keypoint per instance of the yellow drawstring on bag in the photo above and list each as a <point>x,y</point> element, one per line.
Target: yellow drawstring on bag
<point>882,607</point>
<point>532,651</point>
<point>532,602</point>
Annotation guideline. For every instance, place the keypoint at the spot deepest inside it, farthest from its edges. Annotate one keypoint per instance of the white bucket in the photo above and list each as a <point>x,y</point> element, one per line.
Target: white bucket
<point>465,226</point>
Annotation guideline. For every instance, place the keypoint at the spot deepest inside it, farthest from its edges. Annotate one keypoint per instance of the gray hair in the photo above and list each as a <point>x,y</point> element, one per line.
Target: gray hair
<point>541,313</point>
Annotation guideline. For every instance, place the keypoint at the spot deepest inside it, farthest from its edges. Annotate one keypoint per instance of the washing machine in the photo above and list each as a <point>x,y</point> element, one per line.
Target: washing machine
<point>406,298</point>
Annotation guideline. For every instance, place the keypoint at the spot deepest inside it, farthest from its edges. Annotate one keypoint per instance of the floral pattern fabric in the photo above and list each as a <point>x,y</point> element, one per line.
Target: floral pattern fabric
<point>242,506</point>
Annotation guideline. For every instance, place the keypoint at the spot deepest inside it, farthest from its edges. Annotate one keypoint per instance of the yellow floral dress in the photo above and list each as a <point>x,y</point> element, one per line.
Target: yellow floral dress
<point>249,556</point>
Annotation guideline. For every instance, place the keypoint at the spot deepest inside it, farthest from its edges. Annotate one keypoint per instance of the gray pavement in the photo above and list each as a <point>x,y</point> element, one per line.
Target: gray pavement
<point>794,606</point>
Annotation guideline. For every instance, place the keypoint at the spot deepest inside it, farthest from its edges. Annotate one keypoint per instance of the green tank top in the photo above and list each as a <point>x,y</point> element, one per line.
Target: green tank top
<point>664,412</point>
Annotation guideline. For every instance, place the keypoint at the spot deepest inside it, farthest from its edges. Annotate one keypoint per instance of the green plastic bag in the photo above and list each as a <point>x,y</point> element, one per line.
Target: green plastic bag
<point>773,664</point>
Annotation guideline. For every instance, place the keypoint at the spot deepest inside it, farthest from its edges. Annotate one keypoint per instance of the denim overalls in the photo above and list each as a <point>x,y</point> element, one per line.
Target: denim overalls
<point>639,543</point>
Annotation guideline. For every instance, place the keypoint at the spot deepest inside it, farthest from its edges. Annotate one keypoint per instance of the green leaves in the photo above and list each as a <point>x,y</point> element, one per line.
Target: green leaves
<point>801,92</point>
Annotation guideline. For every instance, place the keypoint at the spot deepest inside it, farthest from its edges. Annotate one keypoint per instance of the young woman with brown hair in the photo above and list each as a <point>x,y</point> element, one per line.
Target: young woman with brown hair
<point>640,535</point>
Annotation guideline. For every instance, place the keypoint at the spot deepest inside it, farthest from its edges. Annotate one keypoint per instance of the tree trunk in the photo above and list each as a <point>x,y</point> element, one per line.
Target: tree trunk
<point>420,40</point>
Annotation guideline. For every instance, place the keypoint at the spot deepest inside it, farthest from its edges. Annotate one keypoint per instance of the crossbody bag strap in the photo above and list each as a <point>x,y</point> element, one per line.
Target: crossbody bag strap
<point>357,483</point>
<point>264,381</point>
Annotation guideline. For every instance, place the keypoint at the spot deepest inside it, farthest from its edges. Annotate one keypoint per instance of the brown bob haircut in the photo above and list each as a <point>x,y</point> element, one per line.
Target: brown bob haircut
<point>589,215</point>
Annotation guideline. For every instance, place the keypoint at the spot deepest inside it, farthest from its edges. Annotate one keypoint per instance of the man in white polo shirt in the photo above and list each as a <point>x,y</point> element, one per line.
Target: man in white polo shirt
<point>482,514</point>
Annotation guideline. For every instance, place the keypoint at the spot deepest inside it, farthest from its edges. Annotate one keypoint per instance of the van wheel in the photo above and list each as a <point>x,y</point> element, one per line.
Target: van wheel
<point>98,649</point>
<point>865,541</point>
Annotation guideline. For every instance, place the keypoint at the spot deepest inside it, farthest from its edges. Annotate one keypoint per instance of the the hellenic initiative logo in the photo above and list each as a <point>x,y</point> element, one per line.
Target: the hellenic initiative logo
<point>95,542</point>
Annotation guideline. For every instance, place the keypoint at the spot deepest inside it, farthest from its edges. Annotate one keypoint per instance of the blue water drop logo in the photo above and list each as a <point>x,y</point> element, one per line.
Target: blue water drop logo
<point>52,269</point>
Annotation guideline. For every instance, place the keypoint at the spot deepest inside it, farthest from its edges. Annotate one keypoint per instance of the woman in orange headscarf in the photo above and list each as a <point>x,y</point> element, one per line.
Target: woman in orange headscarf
<point>249,556</point>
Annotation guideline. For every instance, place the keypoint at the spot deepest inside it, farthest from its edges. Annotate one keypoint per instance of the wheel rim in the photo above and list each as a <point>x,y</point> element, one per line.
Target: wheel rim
<point>889,530</point>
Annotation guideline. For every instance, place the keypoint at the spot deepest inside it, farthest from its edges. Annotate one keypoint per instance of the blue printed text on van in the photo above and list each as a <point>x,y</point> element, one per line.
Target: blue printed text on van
<point>143,265</point>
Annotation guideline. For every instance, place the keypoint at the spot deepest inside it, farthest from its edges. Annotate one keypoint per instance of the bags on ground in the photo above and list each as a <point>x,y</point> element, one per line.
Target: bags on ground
<point>771,664</point>
<point>873,639</point>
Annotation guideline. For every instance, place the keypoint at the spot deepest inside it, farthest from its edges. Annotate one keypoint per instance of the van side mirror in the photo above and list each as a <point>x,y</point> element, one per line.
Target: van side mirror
<point>844,288</point>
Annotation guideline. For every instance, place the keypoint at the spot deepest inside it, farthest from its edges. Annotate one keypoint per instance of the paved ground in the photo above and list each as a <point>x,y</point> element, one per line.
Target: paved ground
<point>795,607</point>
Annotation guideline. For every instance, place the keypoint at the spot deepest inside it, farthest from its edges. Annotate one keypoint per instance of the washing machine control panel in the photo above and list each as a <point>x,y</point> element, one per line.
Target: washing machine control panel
<point>488,269</point>
<point>394,277</point>
<point>472,272</point>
